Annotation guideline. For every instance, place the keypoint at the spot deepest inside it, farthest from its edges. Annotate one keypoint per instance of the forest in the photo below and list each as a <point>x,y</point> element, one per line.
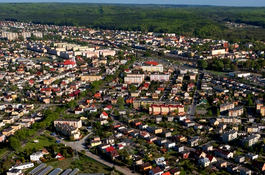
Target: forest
<point>198,21</point>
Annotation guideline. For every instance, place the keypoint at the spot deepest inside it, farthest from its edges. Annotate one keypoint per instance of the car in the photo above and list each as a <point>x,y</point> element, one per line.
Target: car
<point>57,141</point>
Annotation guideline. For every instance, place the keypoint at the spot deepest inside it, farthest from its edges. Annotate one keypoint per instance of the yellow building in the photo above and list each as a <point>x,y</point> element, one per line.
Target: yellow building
<point>91,78</point>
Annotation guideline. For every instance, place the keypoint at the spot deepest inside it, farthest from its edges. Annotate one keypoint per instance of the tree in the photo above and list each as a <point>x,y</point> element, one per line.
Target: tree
<point>133,88</point>
<point>64,152</point>
<point>120,102</point>
<point>14,143</point>
<point>249,102</point>
<point>218,112</point>
<point>72,104</point>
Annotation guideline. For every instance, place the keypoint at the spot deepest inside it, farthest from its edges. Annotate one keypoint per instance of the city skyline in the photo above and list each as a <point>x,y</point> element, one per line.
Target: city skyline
<point>256,3</point>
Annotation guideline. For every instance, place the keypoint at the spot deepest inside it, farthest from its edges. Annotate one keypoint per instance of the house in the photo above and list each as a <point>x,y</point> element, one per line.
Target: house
<point>258,165</point>
<point>224,154</point>
<point>145,167</point>
<point>240,159</point>
<point>104,115</point>
<point>220,164</point>
<point>204,161</point>
<point>211,158</point>
<point>59,156</point>
<point>79,110</point>
<point>36,156</point>
<point>193,142</point>
<point>251,156</point>
<point>2,138</point>
<point>9,131</point>
<point>174,171</point>
<point>185,154</point>
<point>156,171</point>
<point>114,154</point>
<point>179,148</point>
<point>199,154</point>
<point>160,161</point>
<point>107,108</point>
<point>244,171</point>
<point>232,168</point>
<point>207,148</point>
<point>166,173</point>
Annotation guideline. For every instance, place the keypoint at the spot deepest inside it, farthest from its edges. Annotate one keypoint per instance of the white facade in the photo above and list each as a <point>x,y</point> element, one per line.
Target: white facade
<point>36,156</point>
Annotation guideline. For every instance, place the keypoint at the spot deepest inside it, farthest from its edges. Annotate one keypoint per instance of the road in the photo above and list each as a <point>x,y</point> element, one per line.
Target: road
<point>79,145</point>
<point>195,97</point>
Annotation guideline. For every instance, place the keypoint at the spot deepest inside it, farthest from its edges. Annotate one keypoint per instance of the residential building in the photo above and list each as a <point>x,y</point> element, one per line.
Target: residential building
<point>160,77</point>
<point>165,109</point>
<point>237,111</point>
<point>229,136</point>
<point>36,156</point>
<point>71,122</point>
<point>204,161</point>
<point>224,153</point>
<point>68,130</point>
<point>152,66</point>
<point>226,106</point>
<point>250,140</point>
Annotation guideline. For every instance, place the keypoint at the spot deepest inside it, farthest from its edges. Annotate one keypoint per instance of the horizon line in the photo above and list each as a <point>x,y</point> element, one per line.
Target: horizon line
<point>132,4</point>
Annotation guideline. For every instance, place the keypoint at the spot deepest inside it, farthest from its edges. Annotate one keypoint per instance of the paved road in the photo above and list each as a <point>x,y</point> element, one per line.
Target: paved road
<point>195,97</point>
<point>78,145</point>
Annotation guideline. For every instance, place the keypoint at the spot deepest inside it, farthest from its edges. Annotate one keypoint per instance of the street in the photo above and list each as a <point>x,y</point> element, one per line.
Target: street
<point>79,145</point>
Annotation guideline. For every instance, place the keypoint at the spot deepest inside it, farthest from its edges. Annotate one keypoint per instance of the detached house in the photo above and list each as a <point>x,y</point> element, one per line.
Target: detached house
<point>156,171</point>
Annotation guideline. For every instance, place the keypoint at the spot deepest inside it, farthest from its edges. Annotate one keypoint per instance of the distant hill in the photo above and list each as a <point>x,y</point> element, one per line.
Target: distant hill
<point>200,21</point>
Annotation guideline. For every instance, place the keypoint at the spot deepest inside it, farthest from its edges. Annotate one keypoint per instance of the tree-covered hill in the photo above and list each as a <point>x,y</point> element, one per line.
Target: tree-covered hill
<point>201,21</point>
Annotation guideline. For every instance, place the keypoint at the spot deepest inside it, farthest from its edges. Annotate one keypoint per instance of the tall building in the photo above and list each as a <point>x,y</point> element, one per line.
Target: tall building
<point>38,34</point>
<point>26,35</point>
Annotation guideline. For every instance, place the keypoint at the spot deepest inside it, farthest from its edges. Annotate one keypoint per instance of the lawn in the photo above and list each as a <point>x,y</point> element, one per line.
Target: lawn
<point>84,164</point>
<point>44,141</point>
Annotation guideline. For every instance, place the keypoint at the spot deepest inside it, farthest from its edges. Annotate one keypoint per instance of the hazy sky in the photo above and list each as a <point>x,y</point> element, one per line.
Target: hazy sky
<point>187,2</point>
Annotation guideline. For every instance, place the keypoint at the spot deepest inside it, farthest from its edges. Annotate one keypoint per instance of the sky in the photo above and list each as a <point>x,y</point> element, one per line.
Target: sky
<point>176,2</point>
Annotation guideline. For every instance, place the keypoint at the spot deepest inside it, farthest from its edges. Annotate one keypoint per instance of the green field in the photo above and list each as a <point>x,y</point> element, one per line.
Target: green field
<point>44,141</point>
<point>84,164</point>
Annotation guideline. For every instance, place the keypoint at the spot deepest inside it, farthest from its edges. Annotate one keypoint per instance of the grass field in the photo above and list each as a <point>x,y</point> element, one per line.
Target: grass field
<point>84,164</point>
<point>44,141</point>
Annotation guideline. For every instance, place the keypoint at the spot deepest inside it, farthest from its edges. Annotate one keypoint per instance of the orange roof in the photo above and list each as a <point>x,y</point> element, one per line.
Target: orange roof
<point>167,173</point>
<point>154,63</point>
<point>69,62</point>
<point>104,113</point>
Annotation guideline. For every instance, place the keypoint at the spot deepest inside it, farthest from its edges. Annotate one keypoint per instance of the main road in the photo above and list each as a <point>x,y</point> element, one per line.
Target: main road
<point>80,145</point>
